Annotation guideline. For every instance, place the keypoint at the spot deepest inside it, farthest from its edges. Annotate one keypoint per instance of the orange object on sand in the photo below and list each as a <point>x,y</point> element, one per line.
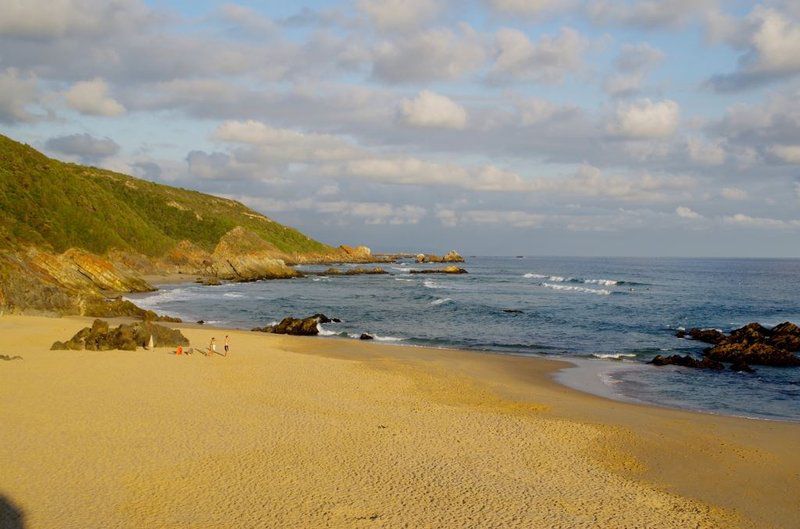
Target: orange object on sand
<point>179,350</point>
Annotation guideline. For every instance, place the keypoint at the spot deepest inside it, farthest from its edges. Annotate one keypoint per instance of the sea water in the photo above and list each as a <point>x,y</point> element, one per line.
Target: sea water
<point>612,315</point>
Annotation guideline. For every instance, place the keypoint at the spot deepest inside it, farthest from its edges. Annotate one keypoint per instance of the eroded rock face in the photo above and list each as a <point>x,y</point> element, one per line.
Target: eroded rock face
<point>101,337</point>
<point>241,255</point>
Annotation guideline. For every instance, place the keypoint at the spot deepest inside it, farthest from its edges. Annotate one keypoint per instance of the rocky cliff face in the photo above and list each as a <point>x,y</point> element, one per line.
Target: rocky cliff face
<point>74,282</point>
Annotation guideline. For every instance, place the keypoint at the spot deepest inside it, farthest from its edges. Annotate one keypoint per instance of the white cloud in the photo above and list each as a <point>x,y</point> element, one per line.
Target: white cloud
<point>647,13</point>
<point>733,193</point>
<point>786,153</point>
<point>17,92</point>
<point>633,64</point>
<point>91,97</point>
<point>646,119</point>
<point>41,19</point>
<point>687,213</point>
<point>705,153</point>
<point>743,220</point>
<point>548,60</point>
<point>85,146</point>
<point>430,109</point>
<point>517,219</point>
<point>400,14</point>
<point>770,40</point>
<point>435,54</point>
<point>530,7</point>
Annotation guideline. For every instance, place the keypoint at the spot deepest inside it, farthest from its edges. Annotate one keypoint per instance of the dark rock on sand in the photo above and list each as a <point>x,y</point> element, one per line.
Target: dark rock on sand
<point>8,358</point>
<point>445,270</point>
<point>687,361</point>
<point>201,322</point>
<point>296,326</point>
<point>365,336</point>
<point>100,337</point>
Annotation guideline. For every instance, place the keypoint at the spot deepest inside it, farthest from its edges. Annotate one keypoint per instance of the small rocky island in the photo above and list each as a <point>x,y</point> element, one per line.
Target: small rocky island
<point>752,344</point>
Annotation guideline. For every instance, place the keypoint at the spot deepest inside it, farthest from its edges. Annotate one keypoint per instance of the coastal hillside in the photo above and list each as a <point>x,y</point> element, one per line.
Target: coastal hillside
<point>57,205</point>
<point>72,235</point>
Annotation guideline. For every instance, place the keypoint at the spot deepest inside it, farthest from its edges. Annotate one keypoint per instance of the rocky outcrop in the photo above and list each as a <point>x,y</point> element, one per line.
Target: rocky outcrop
<point>242,255</point>
<point>118,307</point>
<point>702,335</point>
<point>687,361</point>
<point>446,270</point>
<point>358,271</point>
<point>75,282</point>
<point>450,257</point>
<point>296,326</point>
<point>357,253</point>
<point>101,337</point>
<point>753,344</point>
<point>365,336</point>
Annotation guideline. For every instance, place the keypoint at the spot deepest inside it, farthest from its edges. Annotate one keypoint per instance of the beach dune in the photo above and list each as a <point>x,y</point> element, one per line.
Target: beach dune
<point>292,432</point>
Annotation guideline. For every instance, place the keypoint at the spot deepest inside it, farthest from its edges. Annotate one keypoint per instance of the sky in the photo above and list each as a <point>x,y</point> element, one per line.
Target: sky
<point>495,127</point>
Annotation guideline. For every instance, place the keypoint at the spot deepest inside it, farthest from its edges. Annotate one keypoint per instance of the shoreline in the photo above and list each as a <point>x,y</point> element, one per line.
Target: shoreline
<point>674,467</point>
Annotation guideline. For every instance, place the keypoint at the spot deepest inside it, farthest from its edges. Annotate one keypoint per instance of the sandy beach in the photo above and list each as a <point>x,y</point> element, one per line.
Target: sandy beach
<point>292,432</point>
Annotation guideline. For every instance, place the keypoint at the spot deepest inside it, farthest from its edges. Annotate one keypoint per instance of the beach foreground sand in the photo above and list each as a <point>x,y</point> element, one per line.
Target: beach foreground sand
<point>311,432</point>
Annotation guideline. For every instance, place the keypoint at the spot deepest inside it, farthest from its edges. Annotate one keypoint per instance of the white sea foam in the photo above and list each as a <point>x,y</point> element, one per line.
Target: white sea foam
<point>429,283</point>
<point>603,282</point>
<point>405,279</point>
<point>554,279</point>
<point>440,301</point>
<point>325,332</point>
<point>387,338</point>
<point>534,276</point>
<point>232,295</point>
<point>614,356</point>
<point>599,292</point>
<point>401,268</point>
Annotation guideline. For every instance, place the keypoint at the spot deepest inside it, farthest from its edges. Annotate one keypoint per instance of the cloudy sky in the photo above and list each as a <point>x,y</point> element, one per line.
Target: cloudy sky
<point>537,127</point>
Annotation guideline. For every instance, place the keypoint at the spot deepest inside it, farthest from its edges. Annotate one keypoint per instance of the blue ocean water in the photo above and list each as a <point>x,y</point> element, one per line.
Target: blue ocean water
<point>620,310</point>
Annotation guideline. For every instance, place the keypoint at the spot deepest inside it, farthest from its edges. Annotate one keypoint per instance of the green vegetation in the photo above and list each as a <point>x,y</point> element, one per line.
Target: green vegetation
<point>60,205</point>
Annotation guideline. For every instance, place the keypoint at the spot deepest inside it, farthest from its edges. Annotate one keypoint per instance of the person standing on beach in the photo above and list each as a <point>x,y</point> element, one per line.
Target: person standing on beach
<point>212,347</point>
<point>227,345</point>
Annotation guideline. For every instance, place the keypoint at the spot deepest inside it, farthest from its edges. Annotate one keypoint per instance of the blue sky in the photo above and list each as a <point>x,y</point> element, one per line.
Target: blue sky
<point>570,127</point>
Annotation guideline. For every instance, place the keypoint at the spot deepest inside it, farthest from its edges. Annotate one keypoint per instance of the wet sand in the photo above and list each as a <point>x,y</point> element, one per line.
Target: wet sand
<point>315,432</point>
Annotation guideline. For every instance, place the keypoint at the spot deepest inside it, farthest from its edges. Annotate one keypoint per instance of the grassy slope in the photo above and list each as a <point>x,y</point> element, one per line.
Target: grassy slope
<point>59,205</point>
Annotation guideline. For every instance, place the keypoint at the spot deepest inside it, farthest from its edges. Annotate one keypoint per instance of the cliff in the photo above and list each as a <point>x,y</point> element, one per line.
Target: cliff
<point>72,236</point>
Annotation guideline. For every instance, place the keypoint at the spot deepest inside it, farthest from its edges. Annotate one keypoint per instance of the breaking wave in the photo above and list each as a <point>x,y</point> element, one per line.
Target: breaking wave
<point>598,291</point>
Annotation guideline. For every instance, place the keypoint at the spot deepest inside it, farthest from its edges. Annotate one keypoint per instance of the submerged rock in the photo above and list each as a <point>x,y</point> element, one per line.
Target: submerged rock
<point>126,337</point>
<point>446,270</point>
<point>687,361</point>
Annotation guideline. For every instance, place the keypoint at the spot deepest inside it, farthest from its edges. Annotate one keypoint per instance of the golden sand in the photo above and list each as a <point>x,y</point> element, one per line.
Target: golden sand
<point>311,432</point>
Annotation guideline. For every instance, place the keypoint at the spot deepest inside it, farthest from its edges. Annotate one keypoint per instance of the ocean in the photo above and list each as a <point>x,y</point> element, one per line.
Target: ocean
<point>609,315</point>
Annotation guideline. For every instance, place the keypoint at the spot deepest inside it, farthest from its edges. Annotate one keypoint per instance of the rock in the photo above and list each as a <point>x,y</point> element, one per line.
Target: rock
<point>512,311</point>
<point>321,318</point>
<point>753,353</point>
<point>209,281</point>
<point>353,271</point>
<point>8,358</point>
<point>445,270</point>
<point>365,336</point>
<point>450,257</point>
<point>753,344</point>
<point>712,336</point>
<point>297,327</point>
<point>201,322</point>
<point>118,307</point>
<point>241,255</point>
<point>687,361</point>
<point>741,366</point>
<point>100,337</point>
